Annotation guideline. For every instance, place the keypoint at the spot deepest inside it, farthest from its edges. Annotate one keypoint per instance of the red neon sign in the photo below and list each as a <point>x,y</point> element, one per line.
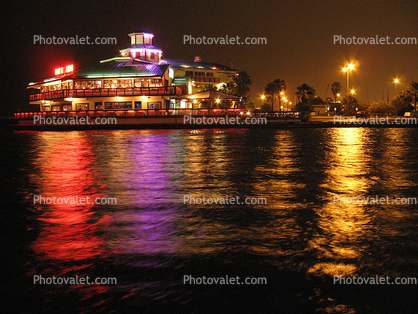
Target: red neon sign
<point>65,70</point>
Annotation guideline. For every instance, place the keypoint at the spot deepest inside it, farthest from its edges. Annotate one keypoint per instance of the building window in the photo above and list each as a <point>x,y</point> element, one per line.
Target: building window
<point>46,108</point>
<point>80,107</point>
<point>118,105</point>
<point>152,56</point>
<point>154,105</point>
<point>66,85</point>
<point>138,104</point>
<point>155,83</point>
<point>125,83</point>
<point>199,73</point>
<point>54,87</point>
<point>80,84</point>
<point>98,105</point>
<point>94,84</point>
<point>139,82</point>
<point>139,39</point>
<point>112,83</point>
<point>106,83</point>
<point>56,108</point>
<point>209,73</point>
<point>189,73</point>
<point>66,107</point>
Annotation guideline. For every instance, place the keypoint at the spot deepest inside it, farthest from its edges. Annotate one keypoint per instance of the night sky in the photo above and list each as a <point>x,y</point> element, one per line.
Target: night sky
<point>299,36</point>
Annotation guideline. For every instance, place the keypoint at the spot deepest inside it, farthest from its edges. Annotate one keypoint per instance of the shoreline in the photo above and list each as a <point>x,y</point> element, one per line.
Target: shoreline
<point>177,122</point>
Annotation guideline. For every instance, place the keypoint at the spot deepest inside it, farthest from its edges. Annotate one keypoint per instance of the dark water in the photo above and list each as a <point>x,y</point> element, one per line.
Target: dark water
<point>298,241</point>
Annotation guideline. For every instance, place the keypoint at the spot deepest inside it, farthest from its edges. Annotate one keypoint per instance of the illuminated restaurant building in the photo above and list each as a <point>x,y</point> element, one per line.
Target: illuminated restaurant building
<point>138,80</point>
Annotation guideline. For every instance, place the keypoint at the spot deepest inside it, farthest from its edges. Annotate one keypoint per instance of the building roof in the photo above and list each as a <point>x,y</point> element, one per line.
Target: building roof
<point>181,80</point>
<point>192,64</point>
<point>122,67</point>
<point>211,94</point>
<point>141,46</point>
<point>141,33</point>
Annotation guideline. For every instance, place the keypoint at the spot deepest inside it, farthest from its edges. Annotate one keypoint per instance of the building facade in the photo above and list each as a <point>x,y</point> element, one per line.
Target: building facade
<point>137,80</point>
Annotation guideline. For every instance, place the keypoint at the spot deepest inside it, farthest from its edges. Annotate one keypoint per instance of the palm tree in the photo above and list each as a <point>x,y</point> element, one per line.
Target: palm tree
<point>229,88</point>
<point>327,100</point>
<point>207,87</point>
<point>274,89</point>
<point>335,89</point>
<point>242,82</point>
<point>413,89</point>
<point>305,93</point>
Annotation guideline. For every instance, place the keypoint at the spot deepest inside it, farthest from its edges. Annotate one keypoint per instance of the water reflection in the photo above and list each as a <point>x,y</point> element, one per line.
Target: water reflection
<point>300,229</point>
<point>341,222</point>
<point>65,169</point>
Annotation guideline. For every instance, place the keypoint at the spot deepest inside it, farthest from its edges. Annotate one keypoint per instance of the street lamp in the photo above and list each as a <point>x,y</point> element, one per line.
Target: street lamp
<point>347,69</point>
<point>280,100</point>
<point>263,97</point>
<point>395,81</point>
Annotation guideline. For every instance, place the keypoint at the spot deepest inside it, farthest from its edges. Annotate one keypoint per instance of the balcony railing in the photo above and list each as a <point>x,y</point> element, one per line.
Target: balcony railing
<point>205,79</point>
<point>107,92</point>
<point>127,113</point>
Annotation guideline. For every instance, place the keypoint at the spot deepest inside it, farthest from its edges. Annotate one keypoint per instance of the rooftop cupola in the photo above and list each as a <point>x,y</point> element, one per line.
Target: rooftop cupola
<point>142,48</point>
<point>141,38</point>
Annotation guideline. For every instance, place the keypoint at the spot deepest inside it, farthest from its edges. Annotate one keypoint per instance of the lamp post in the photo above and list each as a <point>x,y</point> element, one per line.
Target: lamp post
<point>347,69</point>
<point>395,81</point>
<point>262,100</point>
<point>280,102</point>
<point>388,92</point>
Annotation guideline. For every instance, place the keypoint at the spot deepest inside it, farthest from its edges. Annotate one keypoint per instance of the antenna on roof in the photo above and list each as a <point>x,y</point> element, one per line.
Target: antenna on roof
<point>232,66</point>
<point>197,59</point>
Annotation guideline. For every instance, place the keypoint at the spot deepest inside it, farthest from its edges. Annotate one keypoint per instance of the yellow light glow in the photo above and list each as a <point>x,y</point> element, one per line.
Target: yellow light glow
<point>353,91</point>
<point>344,69</point>
<point>396,81</point>
<point>351,66</point>
<point>218,100</point>
<point>263,97</point>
